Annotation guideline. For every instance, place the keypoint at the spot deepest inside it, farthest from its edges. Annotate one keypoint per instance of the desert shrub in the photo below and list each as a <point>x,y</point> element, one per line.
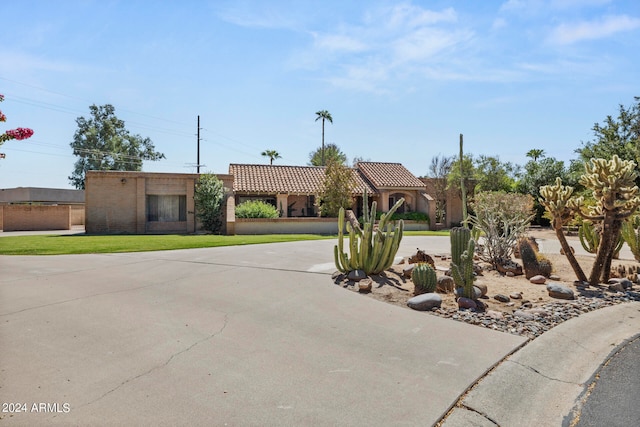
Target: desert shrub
<point>256,209</point>
<point>502,219</point>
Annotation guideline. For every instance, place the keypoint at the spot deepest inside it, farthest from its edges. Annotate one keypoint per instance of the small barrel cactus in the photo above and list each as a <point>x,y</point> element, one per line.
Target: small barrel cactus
<point>424,279</point>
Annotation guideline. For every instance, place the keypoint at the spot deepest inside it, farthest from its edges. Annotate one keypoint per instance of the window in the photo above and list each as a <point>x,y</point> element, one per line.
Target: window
<point>166,208</point>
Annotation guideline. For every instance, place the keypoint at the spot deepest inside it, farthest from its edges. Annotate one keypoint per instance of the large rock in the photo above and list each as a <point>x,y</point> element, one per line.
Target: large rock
<point>425,302</point>
<point>538,279</point>
<point>356,275</point>
<point>501,298</point>
<point>477,292</point>
<point>407,270</point>
<point>561,292</point>
<point>365,285</point>
<point>467,303</point>
<point>445,285</point>
<point>421,256</point>
<point>482,287</point>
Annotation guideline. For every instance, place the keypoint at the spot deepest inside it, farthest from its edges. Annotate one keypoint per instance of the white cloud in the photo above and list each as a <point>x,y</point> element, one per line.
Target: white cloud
<point>339,42</point>
<point>410,16</point>
<point>591,30</point>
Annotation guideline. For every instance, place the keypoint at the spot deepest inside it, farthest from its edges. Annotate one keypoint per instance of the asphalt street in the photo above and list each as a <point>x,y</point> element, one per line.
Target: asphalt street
<point>613,400</point>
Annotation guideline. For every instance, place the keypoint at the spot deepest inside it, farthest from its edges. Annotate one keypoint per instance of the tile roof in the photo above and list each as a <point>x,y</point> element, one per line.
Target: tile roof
<point>272,179</point>
<point>385,175</point>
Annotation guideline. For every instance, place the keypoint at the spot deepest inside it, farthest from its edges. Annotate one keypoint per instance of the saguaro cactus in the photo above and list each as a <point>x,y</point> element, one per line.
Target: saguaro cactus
<point>462,250</point>
<point>371,250</point>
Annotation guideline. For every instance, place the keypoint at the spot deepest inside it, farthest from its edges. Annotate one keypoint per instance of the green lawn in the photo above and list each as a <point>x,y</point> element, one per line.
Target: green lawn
<point>82,244</point>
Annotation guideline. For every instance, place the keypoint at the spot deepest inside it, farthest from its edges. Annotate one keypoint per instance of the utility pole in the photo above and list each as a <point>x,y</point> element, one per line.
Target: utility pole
<point>198,164</point>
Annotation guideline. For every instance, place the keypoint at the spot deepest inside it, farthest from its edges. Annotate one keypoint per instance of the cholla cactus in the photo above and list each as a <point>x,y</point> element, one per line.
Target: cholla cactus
<point>616,195</point>
<point>557,199</point>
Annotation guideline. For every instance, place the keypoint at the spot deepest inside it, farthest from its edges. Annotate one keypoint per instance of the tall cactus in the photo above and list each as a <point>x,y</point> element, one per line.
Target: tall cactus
<point>589,236</point>
<point>557,199</point>
<point>459,237</point>
<point>613,185</point>
<point>371,250</point>
<point>631,235</point>
<point>424,278</point>
<point>462,250</point>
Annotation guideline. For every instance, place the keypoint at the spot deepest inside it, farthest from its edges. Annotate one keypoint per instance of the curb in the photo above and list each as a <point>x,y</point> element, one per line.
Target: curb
<point>545,381</point>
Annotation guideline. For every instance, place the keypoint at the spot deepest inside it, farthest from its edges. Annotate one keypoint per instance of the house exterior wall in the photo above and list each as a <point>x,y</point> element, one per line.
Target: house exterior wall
<point>116,202</point>
<point>35,218</point>
<point>301,225</point>
<point>77,215</point>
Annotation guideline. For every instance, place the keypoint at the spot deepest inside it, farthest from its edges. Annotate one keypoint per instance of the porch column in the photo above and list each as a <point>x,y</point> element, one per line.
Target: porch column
<point>384,201</point>
<point>282,203</point>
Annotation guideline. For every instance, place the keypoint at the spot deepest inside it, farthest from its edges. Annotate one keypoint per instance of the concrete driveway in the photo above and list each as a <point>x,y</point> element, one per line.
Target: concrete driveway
<point>246,335</point>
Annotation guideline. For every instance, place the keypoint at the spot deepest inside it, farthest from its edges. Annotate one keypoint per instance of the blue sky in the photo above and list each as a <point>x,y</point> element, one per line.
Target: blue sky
<point>402,80</point>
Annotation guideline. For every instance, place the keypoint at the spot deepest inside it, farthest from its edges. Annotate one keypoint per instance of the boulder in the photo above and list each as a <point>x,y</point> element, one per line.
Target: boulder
<point>477,293</point>
<point>616,287</point>
<point>356,275</point>
<point>445,284</point>
<point>407,270</point>
<point>365,285</point>
<point>624,282</point>
<point>515,295</point>
<point>467,303</point>
<point>425,302</point>
<point>538,279</point>
<point>421,256</point>
<point>558,291</point>
<point>502,298</point>
<point>482,287</point>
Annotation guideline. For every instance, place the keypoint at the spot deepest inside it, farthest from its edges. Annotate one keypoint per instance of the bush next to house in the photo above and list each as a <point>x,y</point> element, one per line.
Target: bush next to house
<point>208,197</point>
<point>256,209</point>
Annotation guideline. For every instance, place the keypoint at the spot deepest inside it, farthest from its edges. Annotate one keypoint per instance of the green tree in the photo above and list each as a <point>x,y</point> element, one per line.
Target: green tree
<point>439,170</point>
<point>493,175</point>
<point>103,143</point>
<point>336,191</point>
<point>468,171</point>
<point>535,153</point>
<point>209,197</point>
<point>619,136</point>
<point>332,153</point>
<point>324,115</point>
<point>543,172</point>
<point>271,154</point>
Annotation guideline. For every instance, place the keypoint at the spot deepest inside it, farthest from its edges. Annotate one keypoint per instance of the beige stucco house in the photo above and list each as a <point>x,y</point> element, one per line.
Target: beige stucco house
<point>139,202</point>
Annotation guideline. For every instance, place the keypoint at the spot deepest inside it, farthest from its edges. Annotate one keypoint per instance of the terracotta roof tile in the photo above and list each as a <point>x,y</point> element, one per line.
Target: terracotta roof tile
<point>384,175</point>
<point>272,179</point>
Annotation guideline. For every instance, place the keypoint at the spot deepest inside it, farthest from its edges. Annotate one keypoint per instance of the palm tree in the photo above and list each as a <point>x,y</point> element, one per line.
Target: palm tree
<point>324,115</point>
<point>535,153</point>
<point>271,154</point>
